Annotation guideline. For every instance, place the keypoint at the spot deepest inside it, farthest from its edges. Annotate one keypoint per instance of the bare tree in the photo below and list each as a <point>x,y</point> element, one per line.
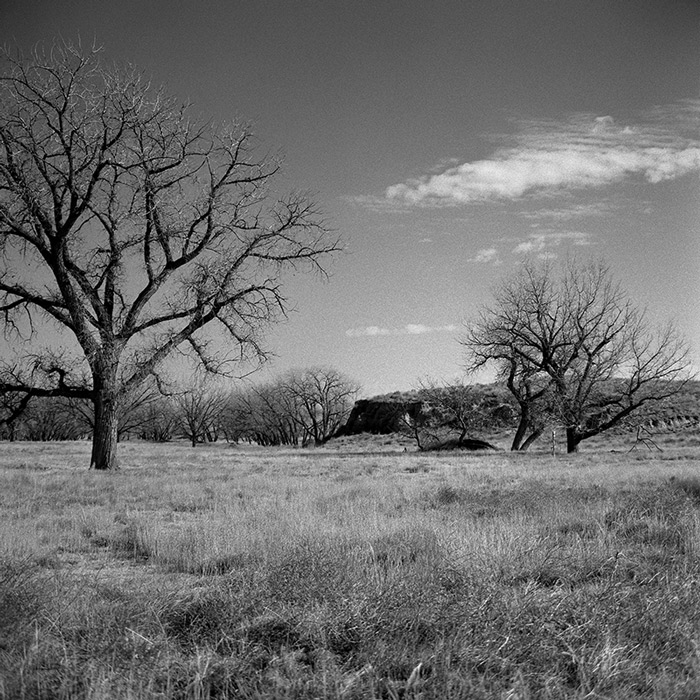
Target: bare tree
<point>300,407</point>
<point>453,415</point>
<point>529,385</point>
<point>265,414</point>
<point>158,420</point>
<point>199,410</point>
<point>135,228</point>
<point>574,347</point>
<point>320,399</point>
<point>132,410</point>
<point>12,408</point>
<point>533,392</point>
<point>50,418</point>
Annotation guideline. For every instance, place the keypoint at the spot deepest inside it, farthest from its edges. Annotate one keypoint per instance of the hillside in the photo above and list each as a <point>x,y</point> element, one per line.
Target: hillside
<point>387,413</point>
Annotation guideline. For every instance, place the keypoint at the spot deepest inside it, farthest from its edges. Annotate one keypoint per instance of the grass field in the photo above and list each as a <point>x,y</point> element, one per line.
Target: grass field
<point>352,571</point>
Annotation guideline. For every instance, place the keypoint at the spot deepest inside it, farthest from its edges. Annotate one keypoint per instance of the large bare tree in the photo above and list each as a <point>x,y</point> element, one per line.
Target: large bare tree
<point>132,412</point>
<point>137,229</point>
<point>572,345</point>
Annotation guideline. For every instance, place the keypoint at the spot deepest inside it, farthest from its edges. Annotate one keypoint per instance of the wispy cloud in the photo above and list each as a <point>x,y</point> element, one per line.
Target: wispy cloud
<point>584,152</point>
<point>408,329</point>
<point>380,205</point>
<point>486,255</point>
<point>541,241</point>
<point>570,213</point>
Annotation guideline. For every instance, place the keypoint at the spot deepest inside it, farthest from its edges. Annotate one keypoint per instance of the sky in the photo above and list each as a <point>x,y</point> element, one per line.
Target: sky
<point>445,141</point>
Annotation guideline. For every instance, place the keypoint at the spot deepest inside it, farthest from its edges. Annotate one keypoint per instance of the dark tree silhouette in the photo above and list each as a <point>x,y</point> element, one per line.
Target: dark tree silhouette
<point>322,399</point>
<point>572,344</point>
<point>137,229</point>
<point>299,407</point>
<point>199,411</point>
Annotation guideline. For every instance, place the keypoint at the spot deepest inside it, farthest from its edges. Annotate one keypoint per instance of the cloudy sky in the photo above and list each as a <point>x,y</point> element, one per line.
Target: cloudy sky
<point>445,141</point>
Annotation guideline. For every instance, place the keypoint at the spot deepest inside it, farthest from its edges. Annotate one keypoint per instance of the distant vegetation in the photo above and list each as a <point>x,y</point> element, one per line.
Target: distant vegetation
<point>437,417</point>
<point>300,407</point>
<point>315,405</point>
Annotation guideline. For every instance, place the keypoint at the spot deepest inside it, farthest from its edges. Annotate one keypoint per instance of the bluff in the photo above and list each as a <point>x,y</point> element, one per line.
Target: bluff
<point>379,415</point>
<point>389,413</point>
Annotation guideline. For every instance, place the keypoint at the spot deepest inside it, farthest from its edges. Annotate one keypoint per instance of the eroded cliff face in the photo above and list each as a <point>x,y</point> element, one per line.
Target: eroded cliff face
<point>393,413</point>
<point>379,416</point>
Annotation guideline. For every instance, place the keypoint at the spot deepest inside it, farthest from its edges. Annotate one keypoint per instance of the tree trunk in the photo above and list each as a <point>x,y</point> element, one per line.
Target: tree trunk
<point>523,425</point>
<point>520,432</point>
<point>572,440</point>
<point>104,436</point>
<point>534,435</point>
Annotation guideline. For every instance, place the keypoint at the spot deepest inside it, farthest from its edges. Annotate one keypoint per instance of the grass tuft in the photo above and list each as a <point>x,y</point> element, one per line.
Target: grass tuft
<point>22,599</point>
<point>131,542</point>
<point>689,485</point>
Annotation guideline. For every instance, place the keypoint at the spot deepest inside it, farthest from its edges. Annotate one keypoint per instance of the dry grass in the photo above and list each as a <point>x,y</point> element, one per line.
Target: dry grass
<point>357,571</point>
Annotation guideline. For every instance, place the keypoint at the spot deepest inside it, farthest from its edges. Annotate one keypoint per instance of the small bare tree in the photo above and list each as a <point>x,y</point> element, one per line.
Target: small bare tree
<point>453,415</point>
<point>158,420</point>
<point>12,408</point>
<point>574,347</point>
<point>300,407</point>
<point>266,414</point>
<point>199,409</point>
<point>135,228</point>
<point>321,401</point>
<point>50,418</point>
<point>530,387</point>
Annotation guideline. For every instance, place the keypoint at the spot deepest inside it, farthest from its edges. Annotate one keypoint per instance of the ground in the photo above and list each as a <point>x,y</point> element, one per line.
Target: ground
<point>363,569</point>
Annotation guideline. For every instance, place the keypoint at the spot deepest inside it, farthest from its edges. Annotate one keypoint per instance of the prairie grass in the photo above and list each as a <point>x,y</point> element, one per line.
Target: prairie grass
<point>221,572</point>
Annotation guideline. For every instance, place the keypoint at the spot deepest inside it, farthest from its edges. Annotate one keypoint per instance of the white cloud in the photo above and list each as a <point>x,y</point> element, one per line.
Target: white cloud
<point>486,255</point>
<point>532,244</point>
<point>369,330</point>
<point>603,124</point>
<point>584,152</point>
<point>417,329</point>
<point>408,329</point>
<point>539,242</point>
<point>380,205</point>
<point>575,211</point>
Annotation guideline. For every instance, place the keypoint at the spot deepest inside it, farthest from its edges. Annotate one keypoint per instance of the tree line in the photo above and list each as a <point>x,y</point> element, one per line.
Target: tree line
<point>298,408</point>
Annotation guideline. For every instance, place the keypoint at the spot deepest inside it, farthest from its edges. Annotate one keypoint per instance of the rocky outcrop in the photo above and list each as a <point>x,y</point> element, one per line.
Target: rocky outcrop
<point>379,416</point>
<point>394,413</point>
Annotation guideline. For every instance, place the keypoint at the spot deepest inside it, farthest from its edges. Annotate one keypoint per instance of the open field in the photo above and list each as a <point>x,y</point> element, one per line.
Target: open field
<point>352,571</point>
